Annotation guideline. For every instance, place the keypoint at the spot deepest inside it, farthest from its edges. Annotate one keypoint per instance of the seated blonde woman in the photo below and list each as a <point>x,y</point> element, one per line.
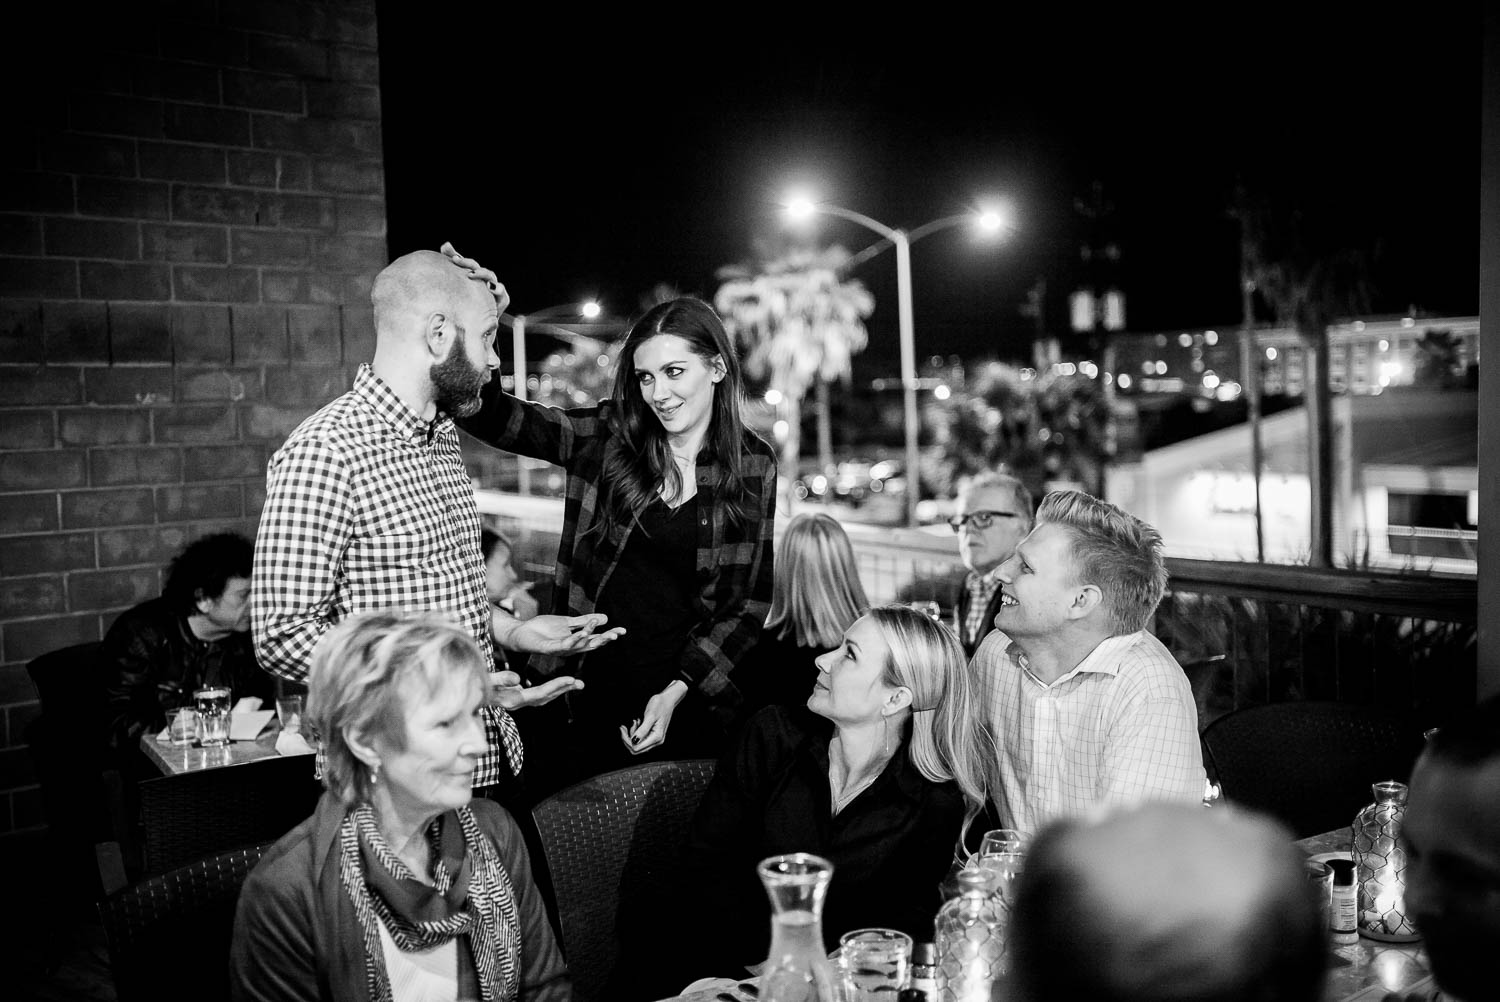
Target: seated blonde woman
<point>815,595</point>
<point>399,888</point>
<point>881,773</point>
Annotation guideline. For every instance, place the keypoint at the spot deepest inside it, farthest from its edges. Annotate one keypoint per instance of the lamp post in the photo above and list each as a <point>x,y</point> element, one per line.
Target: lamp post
<point>989,221</point>
<point>589,311</point>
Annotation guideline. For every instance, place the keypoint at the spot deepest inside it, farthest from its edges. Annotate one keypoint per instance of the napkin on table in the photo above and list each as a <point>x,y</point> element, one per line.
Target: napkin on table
<point>292,743</point>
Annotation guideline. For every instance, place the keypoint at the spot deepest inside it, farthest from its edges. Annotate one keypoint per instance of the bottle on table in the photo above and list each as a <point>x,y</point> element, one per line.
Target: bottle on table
<point>797,969</point>
<point>970,941</point>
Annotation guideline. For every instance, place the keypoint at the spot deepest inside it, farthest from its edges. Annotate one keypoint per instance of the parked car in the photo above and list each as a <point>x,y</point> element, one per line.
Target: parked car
<point>851,481</point>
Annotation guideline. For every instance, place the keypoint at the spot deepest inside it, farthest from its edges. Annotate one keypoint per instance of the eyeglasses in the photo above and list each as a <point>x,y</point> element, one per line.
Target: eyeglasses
<point>981,518</point>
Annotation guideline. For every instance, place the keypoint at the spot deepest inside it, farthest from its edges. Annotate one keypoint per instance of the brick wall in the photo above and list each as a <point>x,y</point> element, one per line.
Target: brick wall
<point>191,214</point>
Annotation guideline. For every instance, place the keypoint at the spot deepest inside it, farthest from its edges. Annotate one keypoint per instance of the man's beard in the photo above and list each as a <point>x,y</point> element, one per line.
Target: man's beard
<point>456,383</point>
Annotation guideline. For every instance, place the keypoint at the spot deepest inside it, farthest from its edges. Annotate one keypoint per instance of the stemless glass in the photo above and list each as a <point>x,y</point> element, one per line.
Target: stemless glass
<point>1002,854</point>
<point>213,716</point>
<point>874,964</point>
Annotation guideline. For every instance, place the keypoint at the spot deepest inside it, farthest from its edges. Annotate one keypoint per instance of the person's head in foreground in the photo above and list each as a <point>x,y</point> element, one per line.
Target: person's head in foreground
<point>1089,567</point>
<point>1452,836</point>
<point>897,665</point>
<point>1166,903</point>
<point>993,515</point>
<point>816,592</point>
<point>208,584</point>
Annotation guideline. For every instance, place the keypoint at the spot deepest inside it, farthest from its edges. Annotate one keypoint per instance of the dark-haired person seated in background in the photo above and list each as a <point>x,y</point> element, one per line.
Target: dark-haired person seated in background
<point>196,634</point>
<point>880,773</point>
<point>1166,903</point>
<point>399,887</point>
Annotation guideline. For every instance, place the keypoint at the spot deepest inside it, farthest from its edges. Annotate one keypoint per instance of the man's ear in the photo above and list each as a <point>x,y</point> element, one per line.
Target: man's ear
<point>438,332</point>
<point>201,601</point>
<point>1086,599</point>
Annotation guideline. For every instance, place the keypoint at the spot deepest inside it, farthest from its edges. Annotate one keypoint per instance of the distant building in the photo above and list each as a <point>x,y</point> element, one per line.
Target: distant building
<point>1405,479</point>
<point>1365,357</point>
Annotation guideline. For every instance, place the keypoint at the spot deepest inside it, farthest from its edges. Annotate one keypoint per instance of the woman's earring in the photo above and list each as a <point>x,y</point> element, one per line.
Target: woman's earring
<point>375,773</point>
<point>885,726</point>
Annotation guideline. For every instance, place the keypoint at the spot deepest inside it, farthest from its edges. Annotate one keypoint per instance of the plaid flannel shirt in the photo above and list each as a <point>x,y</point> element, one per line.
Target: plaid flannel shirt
<point>734,562</point>
<point>1120,728</point>
<point>369,507</point>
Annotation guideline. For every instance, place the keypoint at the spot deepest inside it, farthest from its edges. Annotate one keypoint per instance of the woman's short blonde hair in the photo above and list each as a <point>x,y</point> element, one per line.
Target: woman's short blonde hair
<point>361,675</point>
<point>815,591</point>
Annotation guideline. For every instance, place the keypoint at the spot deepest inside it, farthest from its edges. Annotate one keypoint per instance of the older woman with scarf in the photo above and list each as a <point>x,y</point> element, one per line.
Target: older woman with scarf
<point>399,888</point>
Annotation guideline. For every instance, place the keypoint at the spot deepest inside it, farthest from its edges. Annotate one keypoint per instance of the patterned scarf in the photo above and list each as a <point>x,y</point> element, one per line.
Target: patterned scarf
<point>472,899</point>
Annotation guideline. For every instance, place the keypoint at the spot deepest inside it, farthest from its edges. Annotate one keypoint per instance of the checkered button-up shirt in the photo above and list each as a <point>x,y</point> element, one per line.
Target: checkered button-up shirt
<point>1120,728</point>
<point>369,507</point>
<point>982,588</point>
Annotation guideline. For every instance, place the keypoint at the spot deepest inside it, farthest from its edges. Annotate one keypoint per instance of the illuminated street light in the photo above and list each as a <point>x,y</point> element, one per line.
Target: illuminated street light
<point>988,221</point>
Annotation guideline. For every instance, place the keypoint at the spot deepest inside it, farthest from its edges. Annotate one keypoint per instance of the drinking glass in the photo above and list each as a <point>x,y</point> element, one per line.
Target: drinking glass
<point>874,964</point>
<point>289,712</point>
<point>1002,854</point>
<point>182,725</point>
<point>1320,876</point>
<point>213,716</point>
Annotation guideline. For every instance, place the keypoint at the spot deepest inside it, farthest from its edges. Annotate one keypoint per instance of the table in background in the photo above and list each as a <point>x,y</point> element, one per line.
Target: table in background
<point>209,800</point>
<point>1366,968</point>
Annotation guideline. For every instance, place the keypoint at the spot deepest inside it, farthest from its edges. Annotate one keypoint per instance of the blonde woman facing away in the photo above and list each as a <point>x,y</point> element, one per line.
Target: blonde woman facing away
<point>815,596</point>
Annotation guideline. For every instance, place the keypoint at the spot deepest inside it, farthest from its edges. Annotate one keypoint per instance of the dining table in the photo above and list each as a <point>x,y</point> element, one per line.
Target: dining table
<point>211,799</point>
<point>1365,970</point>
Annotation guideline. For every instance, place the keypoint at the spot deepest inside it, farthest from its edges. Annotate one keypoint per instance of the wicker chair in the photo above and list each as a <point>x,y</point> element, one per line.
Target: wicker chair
<point>171,933</point>
<point>611,842</point>
<point>1309,763</point>
<point>191,815</point>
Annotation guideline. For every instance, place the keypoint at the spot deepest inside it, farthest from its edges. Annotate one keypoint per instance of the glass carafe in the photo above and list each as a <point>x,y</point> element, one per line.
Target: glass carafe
<point>970,941</point>
<point>797,969</point>
<point>1380,862</point>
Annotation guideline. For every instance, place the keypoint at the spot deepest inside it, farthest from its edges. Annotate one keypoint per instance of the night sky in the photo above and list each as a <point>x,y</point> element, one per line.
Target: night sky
<point>588,157</point>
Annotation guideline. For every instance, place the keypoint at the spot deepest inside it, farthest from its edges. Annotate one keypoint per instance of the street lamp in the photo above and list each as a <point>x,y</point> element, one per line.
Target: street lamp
<point>989,221</point>
<point>589,311</point>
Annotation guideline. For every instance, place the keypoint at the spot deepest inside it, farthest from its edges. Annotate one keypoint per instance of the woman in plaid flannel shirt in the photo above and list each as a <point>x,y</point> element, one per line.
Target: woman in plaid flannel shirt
<point>667,528</point>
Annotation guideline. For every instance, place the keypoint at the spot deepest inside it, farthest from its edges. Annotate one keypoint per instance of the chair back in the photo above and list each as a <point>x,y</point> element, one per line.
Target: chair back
<point>1309,763</point>
<point>194,814</point>
<point>175,929</point>
<point>611,842</point>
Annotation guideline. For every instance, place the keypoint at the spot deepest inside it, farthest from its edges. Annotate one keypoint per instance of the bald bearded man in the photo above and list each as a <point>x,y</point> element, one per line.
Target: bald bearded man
<point>1166,903</point>
<point>369,506</point>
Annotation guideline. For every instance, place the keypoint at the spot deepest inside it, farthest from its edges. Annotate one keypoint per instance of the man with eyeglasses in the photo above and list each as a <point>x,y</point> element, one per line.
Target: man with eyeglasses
<point>994,514</point>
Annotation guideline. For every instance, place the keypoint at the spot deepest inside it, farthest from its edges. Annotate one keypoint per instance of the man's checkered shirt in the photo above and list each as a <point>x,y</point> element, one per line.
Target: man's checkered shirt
<point>368,507</point>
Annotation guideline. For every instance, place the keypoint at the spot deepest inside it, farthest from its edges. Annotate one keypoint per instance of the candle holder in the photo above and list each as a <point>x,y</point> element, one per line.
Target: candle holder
<point>1380,863</point>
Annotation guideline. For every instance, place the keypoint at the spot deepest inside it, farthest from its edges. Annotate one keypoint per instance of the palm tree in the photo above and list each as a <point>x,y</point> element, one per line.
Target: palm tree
<point>802,325</point>
<point>1039,427</point>
<point>1309,266</point>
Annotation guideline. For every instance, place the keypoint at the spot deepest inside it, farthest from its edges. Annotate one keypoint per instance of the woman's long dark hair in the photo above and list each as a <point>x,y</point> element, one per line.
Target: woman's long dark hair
<point>644,467</point>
